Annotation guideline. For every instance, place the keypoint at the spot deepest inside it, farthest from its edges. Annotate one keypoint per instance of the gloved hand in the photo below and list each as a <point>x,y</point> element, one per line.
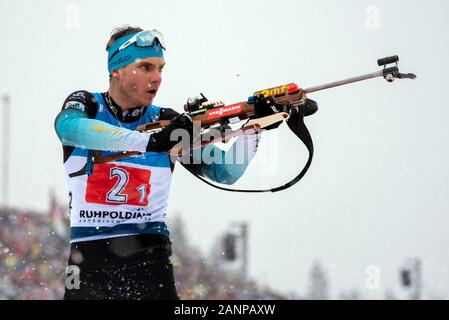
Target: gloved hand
<point>309,108</point>
<point>161,141</point>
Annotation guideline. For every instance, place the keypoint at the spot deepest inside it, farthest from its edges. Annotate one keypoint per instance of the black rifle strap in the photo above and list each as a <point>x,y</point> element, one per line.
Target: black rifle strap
<point>296,124</point>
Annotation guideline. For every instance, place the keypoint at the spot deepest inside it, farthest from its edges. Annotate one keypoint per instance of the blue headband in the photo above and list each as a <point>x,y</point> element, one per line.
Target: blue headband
<point>131,53</point>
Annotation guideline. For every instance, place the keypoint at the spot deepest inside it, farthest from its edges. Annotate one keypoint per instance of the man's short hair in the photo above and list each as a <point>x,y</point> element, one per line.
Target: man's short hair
<point>120,32</point>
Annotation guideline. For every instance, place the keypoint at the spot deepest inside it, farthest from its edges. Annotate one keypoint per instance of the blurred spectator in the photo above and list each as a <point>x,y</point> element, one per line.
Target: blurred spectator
<point>34,248</point>
<point>32,256</point>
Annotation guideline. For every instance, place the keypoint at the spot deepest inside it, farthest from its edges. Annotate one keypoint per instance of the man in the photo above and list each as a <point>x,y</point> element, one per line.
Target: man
<point>119,238</point>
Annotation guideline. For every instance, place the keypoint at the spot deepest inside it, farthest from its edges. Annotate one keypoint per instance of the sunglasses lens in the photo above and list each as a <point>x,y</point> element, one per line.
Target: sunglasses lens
<point>147,38</point>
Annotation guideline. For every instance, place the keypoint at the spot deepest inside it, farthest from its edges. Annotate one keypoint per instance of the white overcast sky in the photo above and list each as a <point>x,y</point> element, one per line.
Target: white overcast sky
<point>377,191</point>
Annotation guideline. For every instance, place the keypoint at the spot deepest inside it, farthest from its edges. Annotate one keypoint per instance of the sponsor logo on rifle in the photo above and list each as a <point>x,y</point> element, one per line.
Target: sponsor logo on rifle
<point>273,91</point>
<point>224,111</point>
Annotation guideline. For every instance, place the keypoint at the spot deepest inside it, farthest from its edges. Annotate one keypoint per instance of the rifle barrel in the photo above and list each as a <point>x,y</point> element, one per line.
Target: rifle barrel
<point>345,81</point>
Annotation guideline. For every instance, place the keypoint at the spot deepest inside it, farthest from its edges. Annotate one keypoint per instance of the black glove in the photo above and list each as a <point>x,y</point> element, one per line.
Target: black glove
<point>309,108</point>
<point>265,107</point>
<point>161,142</point>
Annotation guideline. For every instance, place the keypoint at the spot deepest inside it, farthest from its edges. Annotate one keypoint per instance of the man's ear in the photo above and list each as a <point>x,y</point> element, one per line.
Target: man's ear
<point>115,74</point>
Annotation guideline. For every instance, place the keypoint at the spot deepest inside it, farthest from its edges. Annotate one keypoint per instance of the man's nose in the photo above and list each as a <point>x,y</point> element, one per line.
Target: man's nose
<point>156,76</point>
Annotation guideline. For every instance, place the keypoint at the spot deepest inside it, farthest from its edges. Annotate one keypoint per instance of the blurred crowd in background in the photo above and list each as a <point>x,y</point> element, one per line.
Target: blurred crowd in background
<point>34,249</point>
<point>32,256</point>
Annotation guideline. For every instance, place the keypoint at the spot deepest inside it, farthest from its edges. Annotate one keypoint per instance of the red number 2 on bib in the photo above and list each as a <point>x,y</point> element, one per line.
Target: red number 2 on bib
<point>115,185</point>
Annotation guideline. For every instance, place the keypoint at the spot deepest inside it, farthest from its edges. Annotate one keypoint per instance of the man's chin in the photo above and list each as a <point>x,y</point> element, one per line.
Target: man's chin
<point>147,101</point>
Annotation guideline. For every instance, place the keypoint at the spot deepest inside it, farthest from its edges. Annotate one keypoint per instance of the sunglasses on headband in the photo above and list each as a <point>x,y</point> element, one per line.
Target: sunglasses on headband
<point>143,39</point>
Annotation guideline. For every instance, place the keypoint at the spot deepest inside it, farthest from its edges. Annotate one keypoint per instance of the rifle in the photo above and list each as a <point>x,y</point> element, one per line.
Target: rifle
<point>288,100</point>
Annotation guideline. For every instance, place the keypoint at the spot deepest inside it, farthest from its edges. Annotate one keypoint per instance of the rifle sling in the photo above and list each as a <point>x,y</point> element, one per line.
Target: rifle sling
<point>296,124</point>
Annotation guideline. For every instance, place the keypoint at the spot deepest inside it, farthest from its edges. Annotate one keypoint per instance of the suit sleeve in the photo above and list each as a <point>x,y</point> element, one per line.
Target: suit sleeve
<point>76,127</point>
<point>216,164</point>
